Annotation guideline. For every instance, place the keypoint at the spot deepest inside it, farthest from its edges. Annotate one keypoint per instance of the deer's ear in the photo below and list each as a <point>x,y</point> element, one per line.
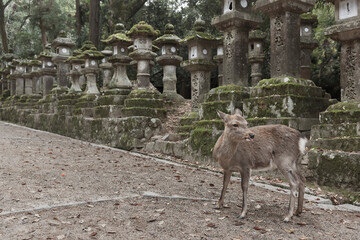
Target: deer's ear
<point>238,112</point>
<point>222,115</point>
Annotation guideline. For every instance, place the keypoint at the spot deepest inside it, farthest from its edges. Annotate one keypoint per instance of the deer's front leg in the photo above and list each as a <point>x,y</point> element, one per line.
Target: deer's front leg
<point>245,178</point>
<point>227,175</point>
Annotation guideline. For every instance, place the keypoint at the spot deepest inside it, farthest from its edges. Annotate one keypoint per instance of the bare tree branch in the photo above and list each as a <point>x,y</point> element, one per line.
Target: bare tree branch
<point>7,3</point>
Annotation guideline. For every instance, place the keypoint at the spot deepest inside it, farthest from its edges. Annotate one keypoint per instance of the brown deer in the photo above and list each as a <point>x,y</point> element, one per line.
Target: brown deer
<point>240,149</point>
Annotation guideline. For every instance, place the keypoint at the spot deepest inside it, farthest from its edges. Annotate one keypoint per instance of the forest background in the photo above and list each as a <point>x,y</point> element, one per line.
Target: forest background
<point>26,26</point>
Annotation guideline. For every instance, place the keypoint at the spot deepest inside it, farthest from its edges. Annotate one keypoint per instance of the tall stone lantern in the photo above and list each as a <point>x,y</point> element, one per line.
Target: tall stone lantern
<point>11,78</point>
<point>106,67</point>
<point>236,21</point>
<point>91,69</point>
<point>47,71</point>
<point>219,59</point>
<point>62,45</point>
<point>7,59</point>
<point>120,59</point>
<point>169,44</point>
<point>35,75</point>
<point>307,43</point>
<point>200,62</point>
<point>20,68</point>
<point>75,73</point>
<point>256,55</point>
<point>28,90</point>
<point>143,34</point>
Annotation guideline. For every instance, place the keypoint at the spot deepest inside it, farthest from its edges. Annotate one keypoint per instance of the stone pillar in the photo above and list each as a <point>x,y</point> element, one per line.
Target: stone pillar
<point>169,60</point>
<point>62,45</point>
<point>91,69</point>
<point>47,72</point>
<point>256,55</point>
<point>120,59</point>
<point>75,73</point>
<point>142,34</point>
<point>284,28</point>
<point>219,59</point>
<point>236,21</point>
<point>35,76</point>
<point>307,43</point>
<point>28,80</point>
<point>106,68</point>
<point>200,63</point>
<point>19,79</point>
<point>12,80</point>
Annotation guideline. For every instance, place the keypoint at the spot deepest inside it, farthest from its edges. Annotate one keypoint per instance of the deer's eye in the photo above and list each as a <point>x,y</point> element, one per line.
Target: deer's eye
<point>235,125</point>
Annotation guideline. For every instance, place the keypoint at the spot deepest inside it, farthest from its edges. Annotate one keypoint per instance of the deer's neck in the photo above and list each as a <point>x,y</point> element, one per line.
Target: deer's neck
<point>225,149</point>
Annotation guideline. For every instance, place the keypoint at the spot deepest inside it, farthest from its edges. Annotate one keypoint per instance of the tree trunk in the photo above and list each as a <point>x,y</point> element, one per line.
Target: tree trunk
<point>43,33</point>
<point>94,23</point>
<point>4,39</point>
<point>78,18</point>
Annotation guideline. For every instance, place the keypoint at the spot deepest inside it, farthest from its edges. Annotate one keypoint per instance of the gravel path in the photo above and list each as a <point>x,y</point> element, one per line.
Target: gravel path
<point>54,187</point>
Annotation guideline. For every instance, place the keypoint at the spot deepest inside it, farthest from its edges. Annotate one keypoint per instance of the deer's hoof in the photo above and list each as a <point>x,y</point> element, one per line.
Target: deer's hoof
<point>297,213</point>
<point>287,219</point>
<point>242,216</point>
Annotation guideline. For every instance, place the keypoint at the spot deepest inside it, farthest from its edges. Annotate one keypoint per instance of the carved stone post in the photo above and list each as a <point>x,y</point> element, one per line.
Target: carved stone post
<point>35,76</point>
<point>18,75</point>
<point>219,59</point>
<point>28,80</point>
<point>47,72</point>
<point>200,62</point>
<point>106,68</point>
<point>75,73</point>
<point>169,44</point>
<point>256,55</point>
<point>236,21</point>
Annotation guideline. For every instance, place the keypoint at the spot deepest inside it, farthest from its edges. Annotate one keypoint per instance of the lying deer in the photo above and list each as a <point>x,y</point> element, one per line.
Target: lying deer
<point>240,149</point>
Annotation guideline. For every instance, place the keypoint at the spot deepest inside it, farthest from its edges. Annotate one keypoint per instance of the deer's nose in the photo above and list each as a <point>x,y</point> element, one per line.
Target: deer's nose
<point>251,135</point>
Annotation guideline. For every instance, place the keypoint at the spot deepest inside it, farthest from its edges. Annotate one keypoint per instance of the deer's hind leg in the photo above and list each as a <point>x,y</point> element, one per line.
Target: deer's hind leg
<point>301,193</point>
<point>227,176</point>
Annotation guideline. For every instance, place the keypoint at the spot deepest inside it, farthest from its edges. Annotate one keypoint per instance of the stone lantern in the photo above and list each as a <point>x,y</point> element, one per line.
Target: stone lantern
<point>91,69</point>
<point>218,59</point>
<point>20,67</point>
<point>200,62</point>
<point>28,79</point>
<point>47,71</point>
<point>142,35</point>
<point>169,60</point>
<point>256,55</point>
<point>307,43</point>
<point>7,59</point>
<point>35,75</point>
<point>106,67</point>
<point>62,45</point>
<point>236,21</point>
<point>11,78</point>
<point>75,73</point>
<point>120,59</point>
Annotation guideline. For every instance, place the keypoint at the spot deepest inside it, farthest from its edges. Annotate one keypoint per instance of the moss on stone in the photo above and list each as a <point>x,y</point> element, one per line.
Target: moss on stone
<point>142,28</point>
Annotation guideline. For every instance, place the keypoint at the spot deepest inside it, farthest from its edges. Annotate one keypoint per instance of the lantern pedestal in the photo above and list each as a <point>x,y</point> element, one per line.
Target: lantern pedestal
<point>91,76</point>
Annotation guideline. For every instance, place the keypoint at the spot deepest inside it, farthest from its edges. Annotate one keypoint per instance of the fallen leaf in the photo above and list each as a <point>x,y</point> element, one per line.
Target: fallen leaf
<point>93,234</point>
<point>151,220</point>
<point>212,225</point>
<point>291,231</point>
<point>258,228</point>
<point>302,223</point>
<point>239,223</point>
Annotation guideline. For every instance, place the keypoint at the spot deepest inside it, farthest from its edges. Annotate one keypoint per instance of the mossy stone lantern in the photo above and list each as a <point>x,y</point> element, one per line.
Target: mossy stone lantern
<point>7,59</point>
<point>169,44</point>
<point>35,66</point>
<point>142,35</point>
<point>236,20</point>
<point>256,55</point>
<point>307,43</point>
<point>219,59</point>
<point>91,69</point>
<point>120,59</point>
<point>62,45</point>
<point>11,78</point>
<point>47,71</point>
<point>28,83</point>
<point>200,62</point>
<point>75,72</point>
<point>20,68</point>
<point>106,67</point>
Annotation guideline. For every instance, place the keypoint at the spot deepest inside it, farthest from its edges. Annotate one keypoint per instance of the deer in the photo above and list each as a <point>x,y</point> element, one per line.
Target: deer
<point>241,149</point>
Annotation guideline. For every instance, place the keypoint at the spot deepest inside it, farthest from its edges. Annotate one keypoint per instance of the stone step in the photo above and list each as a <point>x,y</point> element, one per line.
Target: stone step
<point>335,130</point>
<point>144,102</point>
<point>302,124</point>
<point>189,119</point>
<point>144,111</point>
<point>108,111</point>
<point>284,106</point>
<point>347,144</point>
<point>227,93</point>
<point>338,117</point>
<point>111,100</point>
<point>335,168</point>
<point>185,129</point>
<point>203,140</point>
<point>208,109</point>
<point>210,124</point>
<point>288,89</point>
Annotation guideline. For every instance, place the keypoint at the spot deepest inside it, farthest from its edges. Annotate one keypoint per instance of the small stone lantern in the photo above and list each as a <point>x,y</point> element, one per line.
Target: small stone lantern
<point>35,76</point>
<point>62,45</point>
<point>120,59</point>
<point>307,43</point>
<point>256,55</point>
<point>47,71</point>
<point>106,67</point>
<point>28,79</point>
<point>200,63</point>
<point>20,67</point>
<point>142,35</point>
<point>11,78</point>
<point>7,59</point>
<point>219,58</point>
<point>169,45</point>
<point>91,69</point>
<point>75,73</point>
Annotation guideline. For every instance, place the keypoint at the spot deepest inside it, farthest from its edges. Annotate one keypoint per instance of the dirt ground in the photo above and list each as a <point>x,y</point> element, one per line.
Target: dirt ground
<point>54,187</point>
